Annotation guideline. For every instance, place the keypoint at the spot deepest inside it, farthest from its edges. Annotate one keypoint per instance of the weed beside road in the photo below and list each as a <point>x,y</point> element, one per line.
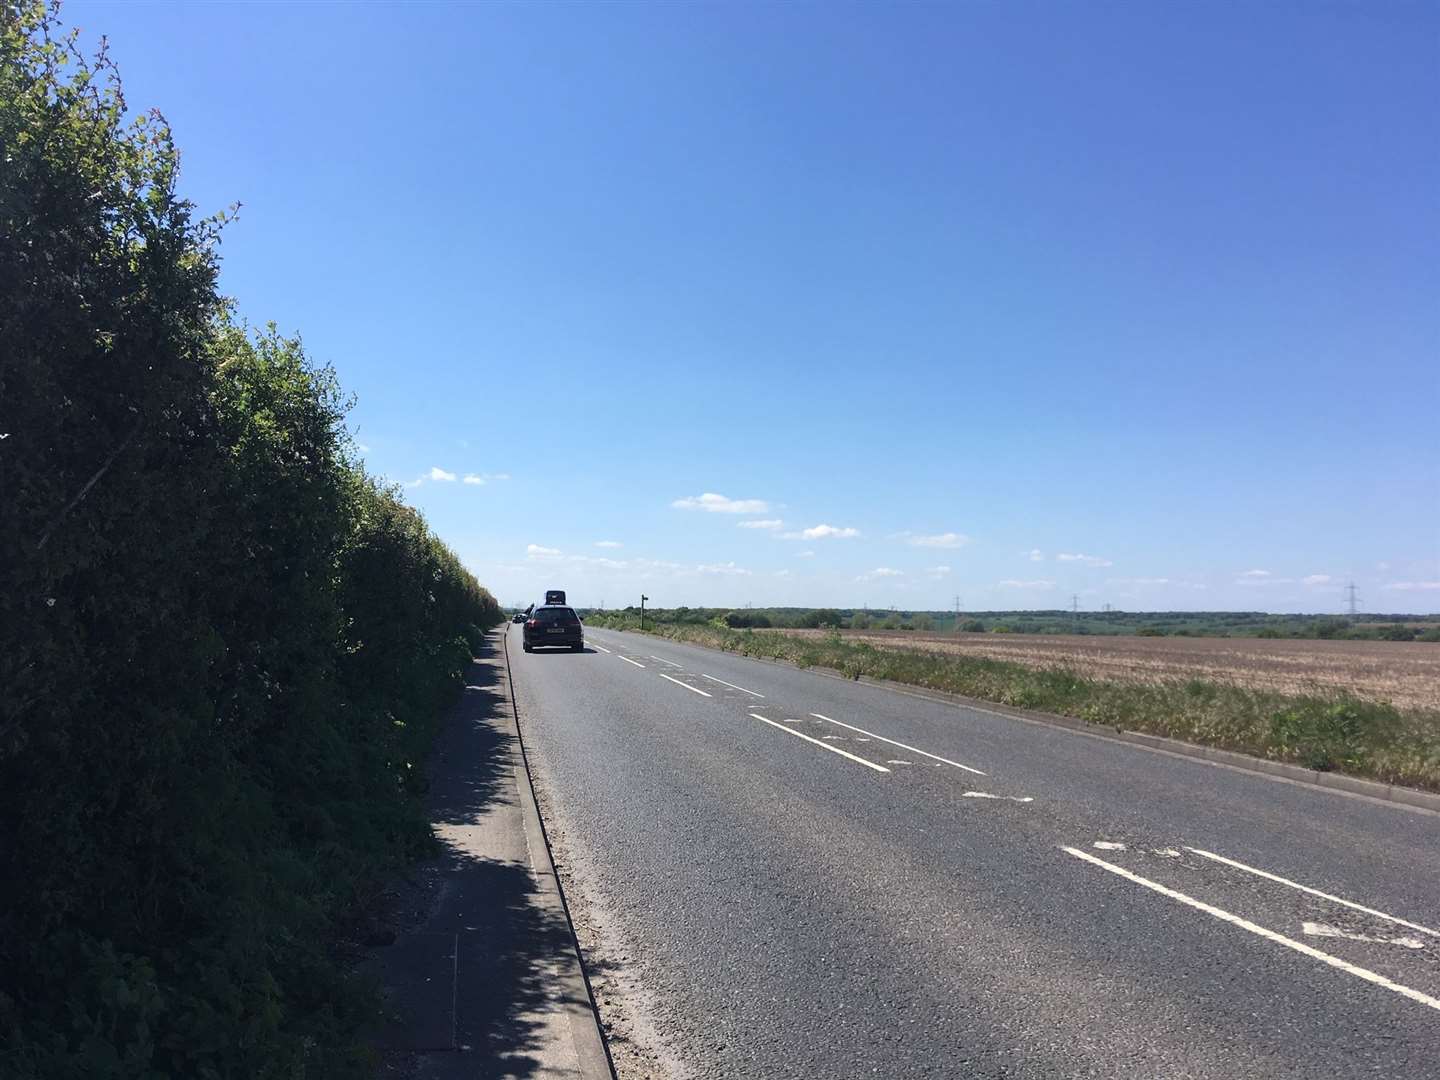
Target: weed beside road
<point>1327,732</point>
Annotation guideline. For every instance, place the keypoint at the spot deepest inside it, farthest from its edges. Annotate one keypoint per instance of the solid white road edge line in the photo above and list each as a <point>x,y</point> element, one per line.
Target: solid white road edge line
<point>817,742</point>
<point>1255,928</point>
<point>687,686</point>
<point>902,745</point>
<point>731,685</point>
<point>602,648</point>
<point>1312,892</point>
<point>629,661</point>
<point>664,661</point>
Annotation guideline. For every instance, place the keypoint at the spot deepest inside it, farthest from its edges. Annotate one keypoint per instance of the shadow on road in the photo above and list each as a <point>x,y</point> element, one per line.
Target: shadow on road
<point>471,986</point>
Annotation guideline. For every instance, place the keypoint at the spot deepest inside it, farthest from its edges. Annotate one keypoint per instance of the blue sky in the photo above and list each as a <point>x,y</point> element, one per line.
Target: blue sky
<point>1014,302</point>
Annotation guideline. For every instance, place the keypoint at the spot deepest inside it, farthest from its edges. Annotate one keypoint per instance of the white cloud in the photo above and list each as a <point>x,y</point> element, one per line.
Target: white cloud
<point>1265,580</point>
<point>940,540</point>
<point>1256,573</point>
<point>1088,560</point>
<point>1317,579</point>
<point>1011,583</point>
<point>1139,581</point>
<point>362,448</point>
<point>1035,555</point>
<point>822,532</point>
<point>1413,586</point>
<point>437,473</point>
<point>719,504</point>
<point>881,572</point>
<point>804,555</point>
<point>484,478</point>
<point>727,569</point>
<point>471,478</point>
<point>782,573</point>
<point>535,551</point>
<point>938,571</point>
<point>761,523</point>
<point>608,543</point>
<point>1382,566</point>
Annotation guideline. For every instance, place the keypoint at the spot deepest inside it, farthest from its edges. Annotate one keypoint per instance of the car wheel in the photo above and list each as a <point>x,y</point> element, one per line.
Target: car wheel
<point>528,647</point>
<point>579,648</point>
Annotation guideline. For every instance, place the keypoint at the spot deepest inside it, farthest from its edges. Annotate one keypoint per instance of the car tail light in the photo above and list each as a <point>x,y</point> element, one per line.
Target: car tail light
<point>533,623</point>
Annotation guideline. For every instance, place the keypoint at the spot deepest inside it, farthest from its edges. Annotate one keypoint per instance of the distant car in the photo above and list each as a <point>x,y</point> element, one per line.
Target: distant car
<point>519,617</point>
<point>554,624</point>
<point>555,596</point>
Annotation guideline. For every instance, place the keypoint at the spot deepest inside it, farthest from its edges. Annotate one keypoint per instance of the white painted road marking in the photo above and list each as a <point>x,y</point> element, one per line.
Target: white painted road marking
<point>987,795</point>
<point>1255,928</point>
<point>822,745</point>
<point>602,648</point>
<point>892,742</point>
<point>1108,845</point>
<point>1313,892</point>
<point>629,661</point>
<point>687,686</point>
<point>731,685</point>
<point>1320,929</point>
<point>664,661</point>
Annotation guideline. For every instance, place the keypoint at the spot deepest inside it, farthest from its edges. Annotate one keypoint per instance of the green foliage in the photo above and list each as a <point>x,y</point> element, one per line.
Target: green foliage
<point>922,623</point>
<point>221,643</point>
<point>1330,628</point>
<point>973,626</point>
<point>860,621</point>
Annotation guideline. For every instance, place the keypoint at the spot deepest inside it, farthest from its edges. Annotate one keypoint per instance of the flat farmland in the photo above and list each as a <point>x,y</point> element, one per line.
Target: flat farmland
<point>1406,674</point>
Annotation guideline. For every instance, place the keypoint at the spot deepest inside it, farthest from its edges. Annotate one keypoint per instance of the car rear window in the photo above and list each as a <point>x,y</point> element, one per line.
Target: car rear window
<point>555,615</point>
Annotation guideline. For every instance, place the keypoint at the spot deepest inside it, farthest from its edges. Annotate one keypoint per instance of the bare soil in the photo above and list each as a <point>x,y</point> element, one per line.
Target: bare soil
<point>1404,673</point>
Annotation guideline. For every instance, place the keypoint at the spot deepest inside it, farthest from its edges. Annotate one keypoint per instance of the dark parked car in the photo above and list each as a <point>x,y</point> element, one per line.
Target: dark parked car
<point>519,617</point>
<point>552,624</point>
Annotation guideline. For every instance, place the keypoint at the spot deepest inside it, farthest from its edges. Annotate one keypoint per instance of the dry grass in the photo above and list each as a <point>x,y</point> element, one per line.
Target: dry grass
<point>1406,674</point>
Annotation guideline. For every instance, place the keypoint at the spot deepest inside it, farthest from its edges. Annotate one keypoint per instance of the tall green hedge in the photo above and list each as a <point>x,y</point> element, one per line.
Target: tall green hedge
<point>221,642</point>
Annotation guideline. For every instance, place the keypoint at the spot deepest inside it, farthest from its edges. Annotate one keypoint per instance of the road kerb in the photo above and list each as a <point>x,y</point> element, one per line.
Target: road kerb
<point>591,1050</point>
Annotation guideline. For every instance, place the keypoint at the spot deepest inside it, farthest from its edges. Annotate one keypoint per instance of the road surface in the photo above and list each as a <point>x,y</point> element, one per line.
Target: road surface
<point>820,878</point>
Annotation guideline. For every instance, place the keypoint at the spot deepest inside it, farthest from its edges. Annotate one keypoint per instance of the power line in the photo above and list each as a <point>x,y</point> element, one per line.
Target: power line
<point>1352,598</point>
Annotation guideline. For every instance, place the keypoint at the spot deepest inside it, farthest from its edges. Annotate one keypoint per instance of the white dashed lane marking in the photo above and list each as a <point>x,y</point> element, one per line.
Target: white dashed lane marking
<point>602,648</point>
<point>731,685</point>
<point>687,686</point>
<point>893,742</point>
<point>1313,892</point>
<point>629,661</point>
<point>664,661</point>
<point>822,745</point>
<point>1254,928</point>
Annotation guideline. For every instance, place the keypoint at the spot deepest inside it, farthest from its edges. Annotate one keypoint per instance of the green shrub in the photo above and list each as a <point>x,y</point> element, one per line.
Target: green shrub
<point>222,645</point>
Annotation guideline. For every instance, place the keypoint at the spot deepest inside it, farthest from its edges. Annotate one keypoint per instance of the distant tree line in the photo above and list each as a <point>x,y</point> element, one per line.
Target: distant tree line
<point>222,643</point>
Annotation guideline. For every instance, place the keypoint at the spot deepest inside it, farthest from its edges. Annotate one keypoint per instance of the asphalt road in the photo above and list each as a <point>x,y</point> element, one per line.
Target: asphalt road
<point>978,896</point>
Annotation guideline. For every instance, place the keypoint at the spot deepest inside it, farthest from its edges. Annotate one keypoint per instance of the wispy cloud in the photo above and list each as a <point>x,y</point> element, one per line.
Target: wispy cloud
<point>822,532</point>
<point>608,544</point>
<point>881,572</point>
<point>1412,586</point>
<point>1035,555</point>
<point>439,474</point>
<point>762,523</point>
<point>536,551</point>
<point>1088,560</point>
<point>725,569</point>
<point>1317,579</point>
<point>782,573</point>
<point>938,571</point>
<point>1137,581</point>
<point>1256,573</point>
<point>804,555</point>
<point>362,448</point>
<point>719,504</point>
<point>484,478</point>
<point>1012,583</point>
<point>939,540</point>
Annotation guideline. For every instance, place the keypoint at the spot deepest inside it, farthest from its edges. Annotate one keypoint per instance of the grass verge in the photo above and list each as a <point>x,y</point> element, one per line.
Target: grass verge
<point>1328,733</point>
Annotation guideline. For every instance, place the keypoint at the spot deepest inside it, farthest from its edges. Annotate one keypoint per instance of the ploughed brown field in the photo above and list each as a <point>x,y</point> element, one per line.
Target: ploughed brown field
<point>1405,673</point>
